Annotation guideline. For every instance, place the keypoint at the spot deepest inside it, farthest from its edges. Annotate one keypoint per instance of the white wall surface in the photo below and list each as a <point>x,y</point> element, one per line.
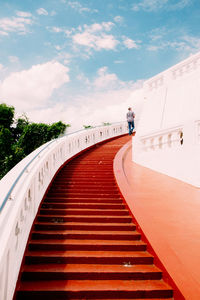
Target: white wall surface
<point>171,112</point>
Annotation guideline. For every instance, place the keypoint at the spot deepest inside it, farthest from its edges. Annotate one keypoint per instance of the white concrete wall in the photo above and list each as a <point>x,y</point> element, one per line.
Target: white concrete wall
<point>171,109</point>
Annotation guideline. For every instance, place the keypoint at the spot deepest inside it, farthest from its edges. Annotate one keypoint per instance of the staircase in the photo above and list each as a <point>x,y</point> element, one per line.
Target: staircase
<point>83,244</point>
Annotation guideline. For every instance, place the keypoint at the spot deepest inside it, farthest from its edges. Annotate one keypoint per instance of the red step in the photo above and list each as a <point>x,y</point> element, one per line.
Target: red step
<point>80,234</point>
<point>86,289</point>
<point>82,200</point>
<point>89,257</point>
<point>90,271</point>
<point>84,244</point>
<point>83,219</point>
<point>93,212</point>
<point>94,245</point>
<point>85,226</point>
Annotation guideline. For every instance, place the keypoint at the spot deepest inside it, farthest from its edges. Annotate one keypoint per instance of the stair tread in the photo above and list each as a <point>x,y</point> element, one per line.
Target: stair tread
<point>86,242</point>
<point>84,223</point>
<point>85,209</point>
<point>131,233</point>
<point>82,200</point>
<point>99,256</point>
<point>78,253</point>
<point>87,203</point>
<point>87,216</point>
<point>88,285</point>
<point>94,268</point>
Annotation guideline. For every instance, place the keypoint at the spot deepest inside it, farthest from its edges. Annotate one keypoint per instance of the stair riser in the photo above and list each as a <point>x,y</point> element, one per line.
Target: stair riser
<point>85,227</point>
<point>84,182</point>
<point>90,247</point>
<point>84,206</point>
<point>90,276</point>
<point>63,295</point>
<point>78,189</point>
<point>82,200</point>
<point>83,219</point>
<point>38,236</point>
<point>81,212</point>
<point>79,185</point>
<point>85,176</point>
<point>85,195</point>
<point>90,171</point>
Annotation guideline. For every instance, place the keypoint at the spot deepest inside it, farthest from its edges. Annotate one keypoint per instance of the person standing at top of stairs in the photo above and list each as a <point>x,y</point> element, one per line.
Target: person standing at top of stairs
<point>130,119</point>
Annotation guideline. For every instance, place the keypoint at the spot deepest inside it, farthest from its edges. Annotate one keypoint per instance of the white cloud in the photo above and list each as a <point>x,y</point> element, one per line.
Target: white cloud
<point>179,5</point>
<point>119,61</point>
<point>3,33</point>
<point>95,36</point>
<point>58,47</point>
<point>185,44</point>
<point>64,57</point>
<point>56,29</point>
<point>13,59</point>
<point>92,108</point>
<point>154,47</point>
<point>130,44</point>
<point>23,14</point>
<point>53,13</point>
<point>192,42</point>
<point>105,79</point>
<point>32,88</point>
<point>106,100</point>
<point>80,8</point>
<point>1,68</point>
<point>98,27</point>
<point>42,11</point>
<point>118,19</point>
<point>155,5</point>
<point>15,24</point>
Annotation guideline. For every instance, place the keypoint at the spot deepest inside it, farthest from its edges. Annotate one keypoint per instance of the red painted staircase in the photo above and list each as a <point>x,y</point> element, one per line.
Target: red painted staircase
<point>84,244</point>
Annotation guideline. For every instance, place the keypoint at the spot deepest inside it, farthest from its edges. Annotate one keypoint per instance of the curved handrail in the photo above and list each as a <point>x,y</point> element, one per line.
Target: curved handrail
<point>20,175</point>
<point>26,185</point>
<point>29,163</point>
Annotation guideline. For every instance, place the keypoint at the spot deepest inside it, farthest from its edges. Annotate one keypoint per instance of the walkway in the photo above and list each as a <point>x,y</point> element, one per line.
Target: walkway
<point>84,244</point>
<point>168,211</point>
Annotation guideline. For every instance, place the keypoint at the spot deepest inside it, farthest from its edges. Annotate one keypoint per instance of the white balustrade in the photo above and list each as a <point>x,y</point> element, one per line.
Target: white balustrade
<point>183,68</point>
<point>23,188</point>
<point>173,137</point>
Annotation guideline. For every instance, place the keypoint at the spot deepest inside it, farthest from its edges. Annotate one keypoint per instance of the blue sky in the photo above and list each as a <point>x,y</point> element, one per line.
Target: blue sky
<point>80,61</point>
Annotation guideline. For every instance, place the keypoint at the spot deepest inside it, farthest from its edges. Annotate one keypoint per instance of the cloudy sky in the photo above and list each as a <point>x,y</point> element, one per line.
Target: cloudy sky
<point>80,61</point>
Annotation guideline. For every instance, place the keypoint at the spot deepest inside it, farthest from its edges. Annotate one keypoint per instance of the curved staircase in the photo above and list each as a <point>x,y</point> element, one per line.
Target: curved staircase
<point>83,244</point>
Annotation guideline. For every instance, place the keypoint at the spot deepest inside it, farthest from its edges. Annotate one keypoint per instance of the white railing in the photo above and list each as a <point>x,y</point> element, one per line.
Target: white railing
<point>163,139</point>
<point>173,151</point>
<point>183,68</point>
<point>23,188</point>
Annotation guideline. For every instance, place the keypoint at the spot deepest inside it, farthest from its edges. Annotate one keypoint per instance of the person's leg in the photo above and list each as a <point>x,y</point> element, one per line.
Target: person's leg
<point>133,126</point>
<point>129,128</point>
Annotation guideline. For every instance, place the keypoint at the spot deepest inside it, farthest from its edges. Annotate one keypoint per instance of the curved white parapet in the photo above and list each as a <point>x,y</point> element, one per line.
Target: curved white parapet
<point>168,133</point>
<point>23,188</point>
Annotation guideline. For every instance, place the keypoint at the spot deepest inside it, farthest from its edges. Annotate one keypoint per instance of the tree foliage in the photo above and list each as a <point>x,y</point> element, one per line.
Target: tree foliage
<point>87,126</point>
<point>20,137</point>
<point>6,115</point>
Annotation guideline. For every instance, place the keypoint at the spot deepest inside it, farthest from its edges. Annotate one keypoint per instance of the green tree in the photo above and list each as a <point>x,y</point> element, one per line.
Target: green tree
<point>19,138</point>
<point>87,126</point>
<point>21,124</point>
<point>6,115</point>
